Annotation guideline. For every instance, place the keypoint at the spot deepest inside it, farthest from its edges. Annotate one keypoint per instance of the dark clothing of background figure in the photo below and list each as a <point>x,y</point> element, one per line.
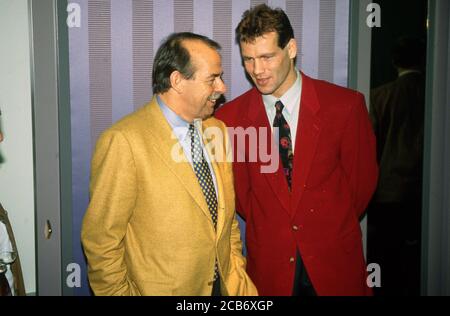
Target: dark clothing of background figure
<point>394,216</point>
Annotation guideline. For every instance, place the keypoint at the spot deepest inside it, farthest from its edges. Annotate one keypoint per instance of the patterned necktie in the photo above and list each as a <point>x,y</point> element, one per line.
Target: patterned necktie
<point>285,143</point>
<point>205,179</point>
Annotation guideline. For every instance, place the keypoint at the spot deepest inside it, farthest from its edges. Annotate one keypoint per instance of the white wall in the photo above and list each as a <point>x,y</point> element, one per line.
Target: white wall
<point>16,170</point>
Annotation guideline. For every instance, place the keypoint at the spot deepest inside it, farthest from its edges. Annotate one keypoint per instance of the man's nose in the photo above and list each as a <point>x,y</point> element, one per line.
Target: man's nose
<point>220,86</point>
<point>258,67</point>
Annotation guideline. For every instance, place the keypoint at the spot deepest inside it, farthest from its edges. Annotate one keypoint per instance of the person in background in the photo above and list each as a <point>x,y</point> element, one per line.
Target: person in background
<point>157,224</point>
<point>11,280</point>
<point>394,215</point>
<point>303,234</point>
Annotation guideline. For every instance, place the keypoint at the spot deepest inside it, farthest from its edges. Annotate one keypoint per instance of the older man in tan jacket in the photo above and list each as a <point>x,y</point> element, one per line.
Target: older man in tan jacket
<point>153,227</point>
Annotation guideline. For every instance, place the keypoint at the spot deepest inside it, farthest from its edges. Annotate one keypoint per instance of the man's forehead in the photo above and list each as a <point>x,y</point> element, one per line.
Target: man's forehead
<point>261,47</point>
<point>207,64</point>
<point>202,52</point>
<point>266,37</point>
<point>213,70</point>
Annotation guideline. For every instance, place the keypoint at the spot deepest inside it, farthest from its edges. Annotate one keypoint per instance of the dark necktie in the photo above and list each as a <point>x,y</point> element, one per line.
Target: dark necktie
<point>205,179</point>
<point>285,143</point>
<point>5,290</point>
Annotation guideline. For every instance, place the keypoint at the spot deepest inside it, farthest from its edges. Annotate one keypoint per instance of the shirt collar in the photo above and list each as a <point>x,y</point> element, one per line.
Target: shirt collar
<point>288,98</point>
<point>179,126</point>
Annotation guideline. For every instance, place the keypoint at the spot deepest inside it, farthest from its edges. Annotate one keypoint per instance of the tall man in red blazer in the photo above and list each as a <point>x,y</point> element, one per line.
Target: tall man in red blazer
<point>303,235</point>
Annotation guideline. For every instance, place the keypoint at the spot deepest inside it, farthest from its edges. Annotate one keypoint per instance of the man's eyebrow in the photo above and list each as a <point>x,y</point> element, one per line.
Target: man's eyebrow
<point>259,56</point>
<point>267,54</point>
<point>211,76</point>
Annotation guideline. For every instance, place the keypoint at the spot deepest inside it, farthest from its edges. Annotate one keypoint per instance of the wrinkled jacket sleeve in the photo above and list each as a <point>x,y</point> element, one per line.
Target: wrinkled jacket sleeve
<point>112,199</point>
<point>358,155</point>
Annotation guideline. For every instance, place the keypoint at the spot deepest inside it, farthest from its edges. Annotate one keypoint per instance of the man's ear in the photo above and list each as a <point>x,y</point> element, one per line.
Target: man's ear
<point>176,81</point>
<point>292,48</point>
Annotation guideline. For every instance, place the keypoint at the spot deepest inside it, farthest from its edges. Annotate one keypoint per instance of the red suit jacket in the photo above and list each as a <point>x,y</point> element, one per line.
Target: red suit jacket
<point>334,176</point>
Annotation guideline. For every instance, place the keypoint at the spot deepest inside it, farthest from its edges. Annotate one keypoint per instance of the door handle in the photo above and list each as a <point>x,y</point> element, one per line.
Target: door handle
<point>48,230</point>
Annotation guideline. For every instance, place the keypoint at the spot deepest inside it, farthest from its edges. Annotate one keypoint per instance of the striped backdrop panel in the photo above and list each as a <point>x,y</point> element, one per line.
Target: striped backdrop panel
<point>111,57</point>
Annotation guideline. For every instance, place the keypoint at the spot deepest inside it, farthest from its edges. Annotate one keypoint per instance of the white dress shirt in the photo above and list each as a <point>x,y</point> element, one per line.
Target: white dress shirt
<point>291,111</point>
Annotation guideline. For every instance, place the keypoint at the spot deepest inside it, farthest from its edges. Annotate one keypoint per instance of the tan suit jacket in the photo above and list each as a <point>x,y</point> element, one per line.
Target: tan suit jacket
<point>148,230</point>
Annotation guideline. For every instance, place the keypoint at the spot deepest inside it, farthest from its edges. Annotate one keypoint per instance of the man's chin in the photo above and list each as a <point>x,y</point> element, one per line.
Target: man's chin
<point>264,90</point>
<point>208,114</point>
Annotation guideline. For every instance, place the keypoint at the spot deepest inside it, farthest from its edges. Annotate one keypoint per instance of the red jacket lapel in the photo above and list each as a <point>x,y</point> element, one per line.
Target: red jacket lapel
<point>308,131</point>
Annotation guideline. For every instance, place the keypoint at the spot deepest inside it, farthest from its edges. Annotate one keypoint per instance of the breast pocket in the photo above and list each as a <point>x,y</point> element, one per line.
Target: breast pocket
<point>324,164</point>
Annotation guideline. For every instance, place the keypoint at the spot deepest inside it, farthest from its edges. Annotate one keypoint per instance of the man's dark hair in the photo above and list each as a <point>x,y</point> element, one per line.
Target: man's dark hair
<point>172,56</point>
<point>409,52</point>
<point>262,19</point>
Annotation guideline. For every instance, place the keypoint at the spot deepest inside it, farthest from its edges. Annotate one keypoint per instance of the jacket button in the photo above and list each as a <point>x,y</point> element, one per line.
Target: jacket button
<point>291,259</point>
<point>311,210</point>
<point>295,227</point>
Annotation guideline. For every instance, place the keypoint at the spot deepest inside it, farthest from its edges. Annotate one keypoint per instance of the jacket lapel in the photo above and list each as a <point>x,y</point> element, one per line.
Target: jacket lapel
<point>277,181</point>
<point>164,143</point>
<point>308,131</point>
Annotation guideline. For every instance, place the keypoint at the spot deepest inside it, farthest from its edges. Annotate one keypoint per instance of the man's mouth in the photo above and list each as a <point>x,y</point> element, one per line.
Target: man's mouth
<point>262,81</point>
<point>214,97</point>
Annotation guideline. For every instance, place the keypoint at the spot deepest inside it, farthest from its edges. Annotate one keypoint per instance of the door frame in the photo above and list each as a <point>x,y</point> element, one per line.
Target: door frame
<point>52,150</point>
